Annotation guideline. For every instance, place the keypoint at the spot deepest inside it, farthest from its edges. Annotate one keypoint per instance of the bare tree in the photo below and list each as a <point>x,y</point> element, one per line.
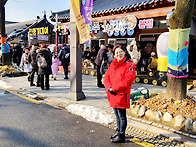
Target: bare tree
<point>6,60</point>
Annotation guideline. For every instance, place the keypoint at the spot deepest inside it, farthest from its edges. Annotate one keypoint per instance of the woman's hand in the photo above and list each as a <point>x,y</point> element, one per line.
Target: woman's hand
<point>111,91</point>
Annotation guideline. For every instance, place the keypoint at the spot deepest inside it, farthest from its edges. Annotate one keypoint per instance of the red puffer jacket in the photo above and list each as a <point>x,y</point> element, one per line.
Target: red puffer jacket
<point>119,76</point>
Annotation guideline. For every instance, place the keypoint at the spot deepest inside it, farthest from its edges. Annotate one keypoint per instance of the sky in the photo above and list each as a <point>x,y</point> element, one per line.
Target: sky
<point>25,10</point>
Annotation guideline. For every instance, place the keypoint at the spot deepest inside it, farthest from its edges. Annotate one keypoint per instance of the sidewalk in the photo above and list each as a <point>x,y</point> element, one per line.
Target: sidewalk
<point>95,97</point>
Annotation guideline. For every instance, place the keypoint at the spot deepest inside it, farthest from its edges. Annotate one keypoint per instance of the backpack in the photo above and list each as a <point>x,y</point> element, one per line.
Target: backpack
<point>66,56</point>
<point>41,62</point>
<point>103,67</point>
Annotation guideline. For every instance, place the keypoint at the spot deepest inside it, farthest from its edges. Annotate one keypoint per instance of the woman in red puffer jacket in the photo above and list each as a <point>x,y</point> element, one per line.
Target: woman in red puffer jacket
<point>118,80</point>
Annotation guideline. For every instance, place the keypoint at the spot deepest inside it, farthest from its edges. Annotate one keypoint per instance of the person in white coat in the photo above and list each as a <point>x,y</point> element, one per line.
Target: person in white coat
<point>24,63</point>
<point>133,52</point>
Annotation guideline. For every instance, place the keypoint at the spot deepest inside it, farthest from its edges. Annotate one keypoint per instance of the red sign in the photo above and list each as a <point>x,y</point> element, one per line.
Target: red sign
<point>146,23</point>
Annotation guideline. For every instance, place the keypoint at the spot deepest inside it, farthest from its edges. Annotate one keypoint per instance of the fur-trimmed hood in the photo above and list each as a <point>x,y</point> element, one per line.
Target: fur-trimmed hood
<point>135,54</point>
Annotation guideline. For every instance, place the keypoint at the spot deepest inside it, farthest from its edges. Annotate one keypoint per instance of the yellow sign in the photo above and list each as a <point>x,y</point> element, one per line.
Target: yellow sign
<point>38,31</point>
<point>80,22</point>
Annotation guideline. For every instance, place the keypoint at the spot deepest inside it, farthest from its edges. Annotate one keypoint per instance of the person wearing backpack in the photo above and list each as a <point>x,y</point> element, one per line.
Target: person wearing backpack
<point>64,57</point>
<point>34,66</point>
<point>44,61</point>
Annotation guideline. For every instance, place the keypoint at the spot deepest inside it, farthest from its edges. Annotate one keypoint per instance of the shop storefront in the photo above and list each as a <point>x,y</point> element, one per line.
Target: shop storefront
<point>120,23</point>
<point>30,32</point>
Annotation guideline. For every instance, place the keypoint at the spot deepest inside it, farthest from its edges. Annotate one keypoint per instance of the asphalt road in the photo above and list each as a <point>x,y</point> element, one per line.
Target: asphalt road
<point>26,124</point>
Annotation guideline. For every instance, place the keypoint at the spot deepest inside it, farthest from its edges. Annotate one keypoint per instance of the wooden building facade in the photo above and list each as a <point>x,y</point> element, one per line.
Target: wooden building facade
<point>148,20</point>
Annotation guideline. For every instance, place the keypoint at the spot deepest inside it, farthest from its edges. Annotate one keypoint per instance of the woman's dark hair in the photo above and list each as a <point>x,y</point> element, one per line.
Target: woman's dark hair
<point>110,46</point>
<point>54,56</point>
<point>118,46</point>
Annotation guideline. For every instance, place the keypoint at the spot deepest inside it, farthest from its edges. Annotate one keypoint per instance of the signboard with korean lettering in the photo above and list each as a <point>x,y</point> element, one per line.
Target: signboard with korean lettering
<point>42,37</point>
<point>116,27</point>
<point>38,31</point>
<point>95,27</point>
<point>39,34</point>
<point>146,24</point>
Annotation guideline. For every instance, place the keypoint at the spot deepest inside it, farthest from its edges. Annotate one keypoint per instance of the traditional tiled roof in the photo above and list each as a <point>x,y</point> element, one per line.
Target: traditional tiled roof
<point>23,27</point>
<point>16,26</point>
<point>9,22</point>
<point>61,14</point>
<point>111,6</point>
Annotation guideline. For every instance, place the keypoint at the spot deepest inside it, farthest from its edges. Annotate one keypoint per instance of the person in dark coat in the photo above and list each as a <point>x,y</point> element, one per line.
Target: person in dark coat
<point>102,55</point>
<point>118,80</point>
<point>64,57</point>
<point>17,54</point>
<point>93,56</point>
<point>87,54</point>
<point>45,72</point>
<point>32,60</point>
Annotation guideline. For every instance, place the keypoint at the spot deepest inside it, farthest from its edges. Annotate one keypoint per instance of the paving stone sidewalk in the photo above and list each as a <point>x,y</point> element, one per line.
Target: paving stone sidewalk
<point>96,97</point>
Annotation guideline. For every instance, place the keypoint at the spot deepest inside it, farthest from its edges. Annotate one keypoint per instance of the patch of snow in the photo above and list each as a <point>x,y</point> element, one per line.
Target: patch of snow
<point>4,85</point>
<point>90,113</point>
<point>31,96</point>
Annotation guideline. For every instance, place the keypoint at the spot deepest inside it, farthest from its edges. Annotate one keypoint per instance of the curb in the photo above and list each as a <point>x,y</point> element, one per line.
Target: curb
<point>132,122</point>
<point>137,124</point>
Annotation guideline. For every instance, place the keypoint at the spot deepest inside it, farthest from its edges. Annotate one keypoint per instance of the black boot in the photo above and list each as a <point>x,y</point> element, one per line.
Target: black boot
<point>115,134</point>
<point>29,79</point>
<point>100,85</point>
<point>32,84</point>
<point>119,139</point>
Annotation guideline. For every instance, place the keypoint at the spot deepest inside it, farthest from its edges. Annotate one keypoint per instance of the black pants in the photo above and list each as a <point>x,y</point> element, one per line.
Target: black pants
<point>99,76</point>
<point>32,76</point>
<point>46,84</point>
<point>65,67</point>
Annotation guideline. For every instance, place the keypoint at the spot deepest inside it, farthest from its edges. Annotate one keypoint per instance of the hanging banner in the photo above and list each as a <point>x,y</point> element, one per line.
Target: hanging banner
<point>86,9</point>
<point>80,22</point>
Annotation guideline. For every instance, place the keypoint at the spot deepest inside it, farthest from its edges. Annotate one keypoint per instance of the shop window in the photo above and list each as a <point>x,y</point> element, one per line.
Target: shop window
<point>101,42</point>
<point>163,24</point>
<point>111,41</point>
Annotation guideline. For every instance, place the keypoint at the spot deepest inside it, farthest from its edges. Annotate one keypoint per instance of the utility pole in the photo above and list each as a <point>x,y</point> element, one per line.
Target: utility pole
<point>76,92</point>
<point>6,60</point>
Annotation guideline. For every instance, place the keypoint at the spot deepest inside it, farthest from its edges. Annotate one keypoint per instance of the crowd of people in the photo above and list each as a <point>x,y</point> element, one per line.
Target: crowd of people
<point>98,58</point>
<point>119,65</point>
<point>40,60</point>
<point>145,62</point>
